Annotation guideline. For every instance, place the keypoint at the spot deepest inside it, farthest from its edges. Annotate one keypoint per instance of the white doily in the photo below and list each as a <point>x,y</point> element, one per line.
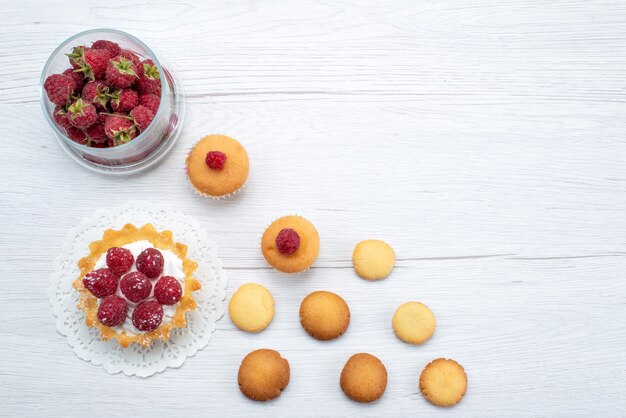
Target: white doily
<point>184,342</point>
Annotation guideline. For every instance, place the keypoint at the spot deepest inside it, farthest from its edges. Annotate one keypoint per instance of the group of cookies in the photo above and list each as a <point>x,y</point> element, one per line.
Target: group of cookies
<point>217,166</point>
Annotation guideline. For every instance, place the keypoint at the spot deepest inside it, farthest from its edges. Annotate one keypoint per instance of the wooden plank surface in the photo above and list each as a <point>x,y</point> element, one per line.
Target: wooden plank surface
<point>483,139</point>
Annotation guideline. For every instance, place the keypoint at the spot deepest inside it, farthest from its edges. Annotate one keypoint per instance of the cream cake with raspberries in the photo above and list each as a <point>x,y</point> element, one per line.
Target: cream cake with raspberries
<point>136,285</point>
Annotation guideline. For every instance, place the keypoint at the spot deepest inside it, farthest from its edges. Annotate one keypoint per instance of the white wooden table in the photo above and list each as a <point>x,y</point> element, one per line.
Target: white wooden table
<point>483,139</point>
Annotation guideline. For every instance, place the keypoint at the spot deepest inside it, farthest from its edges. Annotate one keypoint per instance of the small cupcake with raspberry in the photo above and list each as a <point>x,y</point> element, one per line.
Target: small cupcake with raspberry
<point>217,166</point>
<point>290,244</point>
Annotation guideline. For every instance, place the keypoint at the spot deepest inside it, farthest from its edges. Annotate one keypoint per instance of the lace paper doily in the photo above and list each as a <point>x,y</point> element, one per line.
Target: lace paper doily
<point>184,342</point>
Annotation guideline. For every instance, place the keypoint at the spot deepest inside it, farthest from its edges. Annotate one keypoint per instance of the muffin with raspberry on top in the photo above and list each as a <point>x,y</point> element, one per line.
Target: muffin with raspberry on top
<point>290,244</point>
<point>217,166</point>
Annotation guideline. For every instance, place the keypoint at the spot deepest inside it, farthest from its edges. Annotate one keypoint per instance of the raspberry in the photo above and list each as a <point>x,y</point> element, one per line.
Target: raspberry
<point>60,117</point>
<point>287,241</point>
<point>76,56</point>
<point>82,114</point>
<point>142,117</point>
<point>95,133</point>
<point>59,87</point>
<point>168,290</point>
<point>149,78</point>
<point>119,129</point>
<point>135,286</point>
<point>121,72</point>
<point>129,55</point>
<point>215,160</point>
<point>96,93</point>
<point>150,262</point>
<point>112,311</point>
<point>101,282</point>
<point>103,144</point>
<point>119,260</point>
<point>113,48</point>
<point>124,100</point>
<point>151,101</point>
<point>76,135</point>
<point>94,63</point>
<point>148,315</point>
<point>77,77</point>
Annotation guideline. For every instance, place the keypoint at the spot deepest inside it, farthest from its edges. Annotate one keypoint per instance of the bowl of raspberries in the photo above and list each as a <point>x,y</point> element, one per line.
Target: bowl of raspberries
<point>111,104</point>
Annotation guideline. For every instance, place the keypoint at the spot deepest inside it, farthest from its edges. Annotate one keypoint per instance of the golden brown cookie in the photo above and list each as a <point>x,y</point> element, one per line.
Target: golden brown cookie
<point>414,323</point>
<point>251,307</point>
<point>364,378</point>
<point>210,177</point>
<point>290,244</point>
<point>263,375</point>
<point>373,259</point>
<point>324,315</point>
<point>443,382</point>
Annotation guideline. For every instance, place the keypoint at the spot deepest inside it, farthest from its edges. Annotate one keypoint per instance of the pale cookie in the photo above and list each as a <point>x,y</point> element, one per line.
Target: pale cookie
<point>251,307</point>
<point>364,378</point>
<point>443,382</point>
<point>324,315</point>
<point>263,375</point>
<point>413,323</point>
<point>373,259</point>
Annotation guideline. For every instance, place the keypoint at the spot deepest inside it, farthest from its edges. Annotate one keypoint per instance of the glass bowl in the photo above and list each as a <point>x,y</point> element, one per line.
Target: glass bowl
<point>146,149</point>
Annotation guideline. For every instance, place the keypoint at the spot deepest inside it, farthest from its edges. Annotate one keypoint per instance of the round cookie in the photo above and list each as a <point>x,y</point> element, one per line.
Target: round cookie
<point>298,240</point>
<point>263,374</point>
<point>363,378</point>
<point>324,315</point>
<point>373,259</point>
<point>217,178</point>
<point>251,307</point>
<point>443,382</point>
<point>413,323</point>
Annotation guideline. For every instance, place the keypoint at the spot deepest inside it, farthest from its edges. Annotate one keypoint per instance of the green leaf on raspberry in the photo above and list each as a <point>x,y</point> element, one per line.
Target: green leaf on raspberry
<point>151,72</point>
<point>124,66</point>
<point>77,107</point>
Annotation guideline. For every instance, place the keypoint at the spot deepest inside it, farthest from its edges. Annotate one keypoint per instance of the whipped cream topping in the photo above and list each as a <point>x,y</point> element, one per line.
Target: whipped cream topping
<point>172,266</point>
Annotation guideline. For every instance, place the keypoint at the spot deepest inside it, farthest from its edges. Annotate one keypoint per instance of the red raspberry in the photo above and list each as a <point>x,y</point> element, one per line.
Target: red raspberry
<point>94,63</point>
<point>119,129</point>
<point>76,135</point>
<point>142,117</point>
<point>129,55</point>
<point>60,117</point>
<point>168,290</point>
<point>287,241</point>
<point>101,282</point>
<point>121,72</point>
<point>149,78</point>
<point>82,114</point>
<point>103,144</point>
<point>76,56</point>
<point>77,77</point>
<point>112,311</point>
<point>95,133</point>
<point>150,262</point>
<point>135,286</point>
<point>96,93</point>
<point>148,315</point>
<point>215,160</point>
<point>119,260</point>
<point>124,100</point>
<point>113,48</point>
<point>59,88</point>
<point>151,101</point>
